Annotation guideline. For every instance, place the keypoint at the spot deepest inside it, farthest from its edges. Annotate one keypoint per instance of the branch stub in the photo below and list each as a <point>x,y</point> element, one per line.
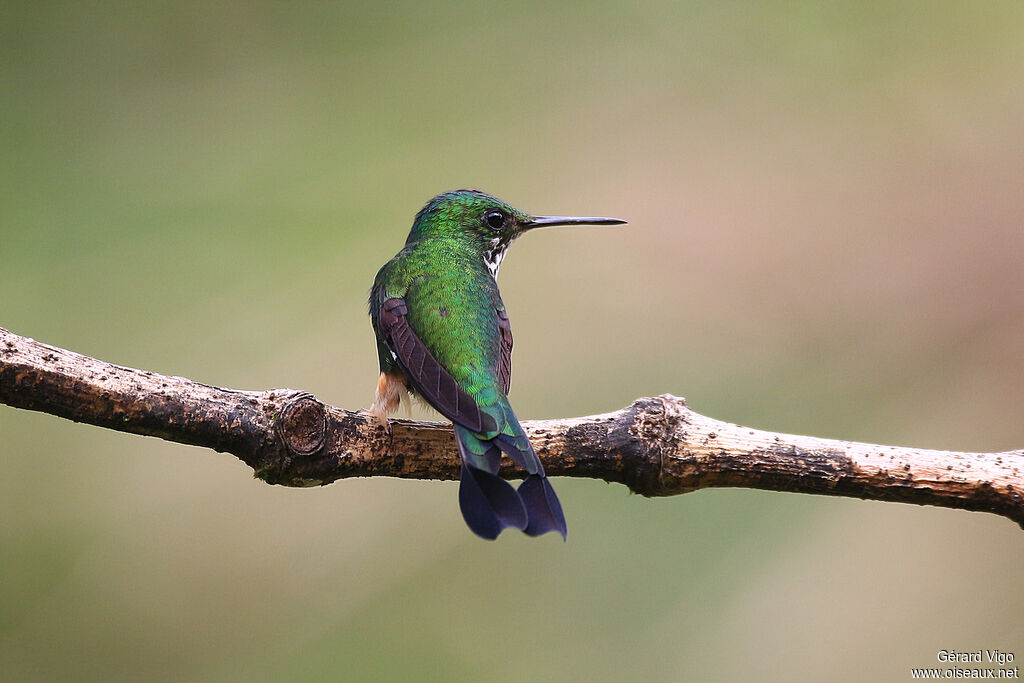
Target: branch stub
<point>303,425</point>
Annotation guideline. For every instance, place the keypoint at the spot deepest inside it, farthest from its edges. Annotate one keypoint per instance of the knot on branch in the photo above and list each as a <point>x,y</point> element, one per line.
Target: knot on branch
<point>302,425</point>
<point>298,453</point>
<point>657,427</point>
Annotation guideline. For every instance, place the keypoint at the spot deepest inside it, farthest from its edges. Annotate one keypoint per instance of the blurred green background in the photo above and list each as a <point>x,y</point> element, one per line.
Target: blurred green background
<point>826,237</point>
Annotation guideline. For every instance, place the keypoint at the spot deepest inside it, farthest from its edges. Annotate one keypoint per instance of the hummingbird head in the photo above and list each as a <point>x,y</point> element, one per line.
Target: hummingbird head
<point>488,223</point>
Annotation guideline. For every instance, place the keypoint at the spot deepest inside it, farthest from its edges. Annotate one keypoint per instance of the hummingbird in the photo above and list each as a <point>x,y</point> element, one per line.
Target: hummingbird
<point>443,335</point>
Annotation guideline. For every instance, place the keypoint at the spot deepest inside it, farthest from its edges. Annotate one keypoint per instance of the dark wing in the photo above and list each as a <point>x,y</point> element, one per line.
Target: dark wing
<point>505,358</point>
<point>428,377</point>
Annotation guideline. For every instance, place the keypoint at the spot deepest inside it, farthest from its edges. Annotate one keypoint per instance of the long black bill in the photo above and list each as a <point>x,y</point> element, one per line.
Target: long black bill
<point>548,221</point>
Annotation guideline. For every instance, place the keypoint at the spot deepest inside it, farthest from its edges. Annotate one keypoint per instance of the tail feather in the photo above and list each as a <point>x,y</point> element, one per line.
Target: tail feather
<point>489,503</point>
<point>478,453</point>
<point>521,452</point>
<point>543,509</point>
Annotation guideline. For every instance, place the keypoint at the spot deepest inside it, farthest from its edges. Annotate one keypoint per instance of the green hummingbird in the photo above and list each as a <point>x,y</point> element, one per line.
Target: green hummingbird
<point>443,335</point>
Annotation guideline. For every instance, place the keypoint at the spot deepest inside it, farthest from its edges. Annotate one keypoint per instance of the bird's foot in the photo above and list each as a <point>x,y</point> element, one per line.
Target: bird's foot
<point>380,418</point>
<point>390,389</point>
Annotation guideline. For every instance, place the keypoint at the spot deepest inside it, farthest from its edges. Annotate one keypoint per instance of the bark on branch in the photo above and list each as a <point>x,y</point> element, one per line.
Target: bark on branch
<point>656,446</point>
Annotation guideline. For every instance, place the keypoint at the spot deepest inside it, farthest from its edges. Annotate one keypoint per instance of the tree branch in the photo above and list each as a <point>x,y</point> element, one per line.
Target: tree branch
<point>656,446</point>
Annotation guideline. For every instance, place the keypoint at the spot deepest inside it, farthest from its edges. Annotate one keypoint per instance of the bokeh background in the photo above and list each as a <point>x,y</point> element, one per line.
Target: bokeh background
<point>826,237</point>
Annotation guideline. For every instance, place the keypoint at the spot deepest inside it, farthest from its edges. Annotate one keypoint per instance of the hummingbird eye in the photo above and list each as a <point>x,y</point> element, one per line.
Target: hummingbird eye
<point>495,219</point>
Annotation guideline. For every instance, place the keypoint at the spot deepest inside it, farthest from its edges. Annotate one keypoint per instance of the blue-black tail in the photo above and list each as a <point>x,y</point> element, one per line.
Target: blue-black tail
<point>543,511</point>
<point>489,503</point>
